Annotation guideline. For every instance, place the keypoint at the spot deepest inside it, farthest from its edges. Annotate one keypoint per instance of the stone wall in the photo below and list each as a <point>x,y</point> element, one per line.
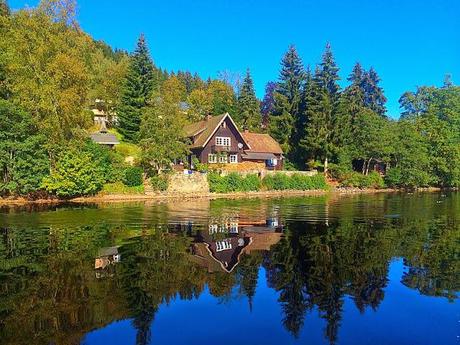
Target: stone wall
<point>195,183</point>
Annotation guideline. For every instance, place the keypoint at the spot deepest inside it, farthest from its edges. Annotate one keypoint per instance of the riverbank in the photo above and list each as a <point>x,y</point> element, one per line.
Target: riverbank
<point>177,196</point>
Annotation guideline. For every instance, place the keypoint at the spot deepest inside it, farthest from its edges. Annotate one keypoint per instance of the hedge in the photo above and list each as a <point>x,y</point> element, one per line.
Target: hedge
<point>233,182</point>
<point>281,181</point>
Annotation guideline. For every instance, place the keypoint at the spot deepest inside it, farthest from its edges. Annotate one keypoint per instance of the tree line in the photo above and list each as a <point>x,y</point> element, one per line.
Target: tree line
<point>51,73</point>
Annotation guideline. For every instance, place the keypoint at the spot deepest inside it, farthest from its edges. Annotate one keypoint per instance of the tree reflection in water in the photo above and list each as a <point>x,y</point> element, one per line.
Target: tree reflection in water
<point>55,285</point>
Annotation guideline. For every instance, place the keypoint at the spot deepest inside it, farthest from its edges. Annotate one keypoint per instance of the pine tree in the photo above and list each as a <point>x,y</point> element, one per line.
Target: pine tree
<point>248,105</point>
<point>328,75</point>
<point>266,107</point>
<point>281,122</point>
<point>374,97</point>
<point>137,89</point>
<point>290,85</point>
<point>317,140</point>
<point>291,79</point>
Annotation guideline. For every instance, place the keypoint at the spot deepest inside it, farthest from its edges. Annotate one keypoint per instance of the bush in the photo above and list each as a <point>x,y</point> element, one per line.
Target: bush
<point>120,188</point>
<point>133,176</point>
<point>233,182</point>
<point>358,180</point>
<point>281,181</point>
<point>76,174</point>
<point>159,183</point>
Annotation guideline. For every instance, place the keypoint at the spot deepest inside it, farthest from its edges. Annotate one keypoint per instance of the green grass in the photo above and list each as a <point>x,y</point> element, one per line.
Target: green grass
<point>120,188</point>
<point>128,149</point>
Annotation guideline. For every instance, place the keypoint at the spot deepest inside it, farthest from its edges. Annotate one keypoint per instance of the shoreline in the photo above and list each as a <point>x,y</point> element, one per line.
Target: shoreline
<point>114,198</point>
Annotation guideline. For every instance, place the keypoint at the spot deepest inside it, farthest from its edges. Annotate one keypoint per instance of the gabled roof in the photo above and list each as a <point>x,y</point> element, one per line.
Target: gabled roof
<point>262,143</point>
<point>205,129</point>
<point>104,138</point>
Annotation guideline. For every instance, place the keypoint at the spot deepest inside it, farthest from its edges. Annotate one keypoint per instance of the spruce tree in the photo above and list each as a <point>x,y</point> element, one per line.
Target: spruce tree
<point>374,97</point>
<point>290,85</point>
<point>291,79</point>
<point>137,89</point>
<point>248,105</point>
<point>281,122</point>
<point>328,75</point>
<point>266,107</point>
<point>317,140</point>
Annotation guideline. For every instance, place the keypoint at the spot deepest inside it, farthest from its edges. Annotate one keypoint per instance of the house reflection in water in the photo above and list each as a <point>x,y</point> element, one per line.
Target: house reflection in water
<point>220,247</point>
<point>106,257</point>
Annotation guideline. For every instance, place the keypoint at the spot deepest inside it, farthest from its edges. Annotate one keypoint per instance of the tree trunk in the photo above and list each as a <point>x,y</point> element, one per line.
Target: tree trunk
<point>325,166</point>
<point>367,166</point>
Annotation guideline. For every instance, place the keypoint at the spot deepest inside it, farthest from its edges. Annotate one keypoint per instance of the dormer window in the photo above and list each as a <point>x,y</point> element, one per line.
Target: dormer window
<point>223,141</point>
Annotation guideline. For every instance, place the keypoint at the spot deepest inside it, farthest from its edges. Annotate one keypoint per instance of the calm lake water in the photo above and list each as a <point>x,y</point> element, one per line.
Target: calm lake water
<point>365,269</point>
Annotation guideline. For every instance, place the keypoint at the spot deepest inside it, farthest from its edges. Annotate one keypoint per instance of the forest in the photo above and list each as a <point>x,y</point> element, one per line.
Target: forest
<point>51,74</point>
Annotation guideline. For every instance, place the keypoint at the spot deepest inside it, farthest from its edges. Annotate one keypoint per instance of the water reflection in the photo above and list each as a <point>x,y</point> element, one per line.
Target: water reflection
<point>67,271</point>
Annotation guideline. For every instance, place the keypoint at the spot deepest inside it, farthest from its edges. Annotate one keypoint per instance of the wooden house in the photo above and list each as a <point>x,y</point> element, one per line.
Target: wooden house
<point>217,140</point>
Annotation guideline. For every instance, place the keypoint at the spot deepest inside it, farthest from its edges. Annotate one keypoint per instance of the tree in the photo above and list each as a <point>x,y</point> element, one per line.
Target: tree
<point>77,173</point>
<point>329,73</point>
<point>317,140</point>
<point>4,8</point>
<point>47,72</point>
<point>161,133</point>
<point>222,97</point>
<point>200,105</point>
<point>23,159</point>
<point>266,107</point>
<point>248,105</point>
<point>136,92</point>
<point>289,86</point>
<point>374,97</point>
<point>281,122</point>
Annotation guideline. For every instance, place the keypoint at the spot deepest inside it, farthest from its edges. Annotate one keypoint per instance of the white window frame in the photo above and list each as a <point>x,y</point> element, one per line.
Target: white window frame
<point>223,159</point>
<point>212,158</point>
<point>223,141</point>
<point>223,245</point>
<point>233,158</point>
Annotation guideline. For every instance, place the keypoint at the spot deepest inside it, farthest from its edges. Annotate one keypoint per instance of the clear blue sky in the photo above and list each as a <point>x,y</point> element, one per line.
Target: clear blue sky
<point>409,42</point>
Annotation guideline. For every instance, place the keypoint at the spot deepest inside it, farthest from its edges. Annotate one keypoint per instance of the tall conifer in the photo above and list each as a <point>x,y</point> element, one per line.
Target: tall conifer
<point>139,83</point>
<point>248,105</point>
<point>374,98</point>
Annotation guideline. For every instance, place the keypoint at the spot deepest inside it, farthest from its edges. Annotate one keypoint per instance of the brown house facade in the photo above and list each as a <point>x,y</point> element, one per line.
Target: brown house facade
<point>217,140</point>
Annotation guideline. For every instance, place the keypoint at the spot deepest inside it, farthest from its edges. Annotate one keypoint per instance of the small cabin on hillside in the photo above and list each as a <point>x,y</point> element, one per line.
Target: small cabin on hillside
<point>103,137</point>
<point>217,140</point>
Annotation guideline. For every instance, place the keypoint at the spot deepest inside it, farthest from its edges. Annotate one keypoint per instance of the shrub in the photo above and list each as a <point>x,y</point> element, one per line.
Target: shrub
<point>76,174</point>
<point>133,176</point>
<point>233,182</point>
<point>120,188</point>
<point>358,180</point>
<point>281,181</point>
<point>159,183</point>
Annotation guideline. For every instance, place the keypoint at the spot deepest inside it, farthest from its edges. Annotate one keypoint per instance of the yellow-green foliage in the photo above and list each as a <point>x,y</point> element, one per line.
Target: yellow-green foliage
<point>128,150</point>
<point>120,188</point>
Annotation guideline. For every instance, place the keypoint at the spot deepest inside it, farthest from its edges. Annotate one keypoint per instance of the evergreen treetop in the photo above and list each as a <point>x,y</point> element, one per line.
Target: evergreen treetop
<point>248,105</point>
<point>292,77</point>
<point>137,89</point>
<point>328,75</point>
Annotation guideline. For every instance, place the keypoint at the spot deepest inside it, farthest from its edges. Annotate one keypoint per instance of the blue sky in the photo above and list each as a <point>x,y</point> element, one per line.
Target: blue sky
<point>409,42</point>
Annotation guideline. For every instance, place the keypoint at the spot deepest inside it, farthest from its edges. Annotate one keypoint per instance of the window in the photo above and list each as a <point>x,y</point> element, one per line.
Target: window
<point>223,159</point>
<point>212,229</point>
<point>223,141</point>
<point>223,245</point>
<point>212,158</point>
<point>233,158</point>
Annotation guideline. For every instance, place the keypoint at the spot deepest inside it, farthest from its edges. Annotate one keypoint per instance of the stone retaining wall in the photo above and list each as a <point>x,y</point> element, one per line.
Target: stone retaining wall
<point>195,183</point>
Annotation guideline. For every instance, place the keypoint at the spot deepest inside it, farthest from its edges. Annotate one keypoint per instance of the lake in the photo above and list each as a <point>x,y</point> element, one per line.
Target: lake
<point>360,269</point>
